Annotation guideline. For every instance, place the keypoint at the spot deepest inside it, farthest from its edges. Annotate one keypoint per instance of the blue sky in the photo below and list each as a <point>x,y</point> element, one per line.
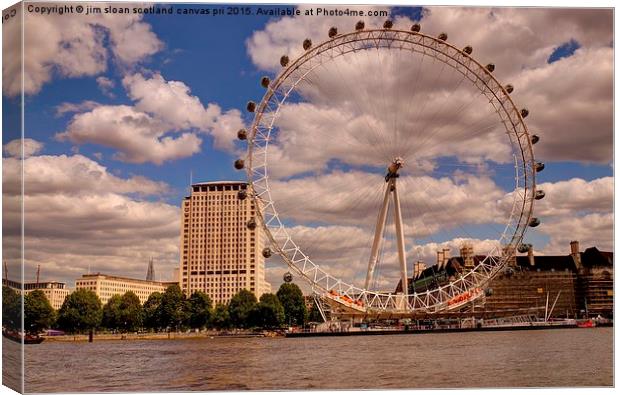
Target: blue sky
<point>214,57</point>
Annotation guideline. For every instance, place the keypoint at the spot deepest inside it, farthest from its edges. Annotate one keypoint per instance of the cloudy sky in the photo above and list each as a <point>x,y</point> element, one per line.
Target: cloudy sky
<point>120,109</point>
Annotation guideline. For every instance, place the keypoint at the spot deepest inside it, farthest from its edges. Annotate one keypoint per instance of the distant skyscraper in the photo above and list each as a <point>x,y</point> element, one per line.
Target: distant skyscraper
<point>150,273</point>
<point>220,253</point>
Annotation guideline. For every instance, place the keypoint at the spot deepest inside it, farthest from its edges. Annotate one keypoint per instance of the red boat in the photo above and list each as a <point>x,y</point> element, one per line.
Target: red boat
<point>586,324</point>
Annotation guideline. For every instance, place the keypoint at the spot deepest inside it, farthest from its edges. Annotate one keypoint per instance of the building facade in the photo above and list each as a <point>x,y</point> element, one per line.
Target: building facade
<point>575,285</point>
<point>221,242</point>
<point>106,286</point>
<point>54,291</point>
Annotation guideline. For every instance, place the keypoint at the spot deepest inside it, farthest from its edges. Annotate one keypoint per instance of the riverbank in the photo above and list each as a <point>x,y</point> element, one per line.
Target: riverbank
<point>354,332</point>
<point>503,328</point>
<point>157,336</point>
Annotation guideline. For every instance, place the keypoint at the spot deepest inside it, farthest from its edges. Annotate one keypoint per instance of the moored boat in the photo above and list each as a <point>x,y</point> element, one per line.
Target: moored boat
<point>19,337</point>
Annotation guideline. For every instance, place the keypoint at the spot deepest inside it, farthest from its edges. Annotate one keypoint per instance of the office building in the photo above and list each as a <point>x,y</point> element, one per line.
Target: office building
<point>221,243</point>
<point>54,291</point>
<point>106,286</point>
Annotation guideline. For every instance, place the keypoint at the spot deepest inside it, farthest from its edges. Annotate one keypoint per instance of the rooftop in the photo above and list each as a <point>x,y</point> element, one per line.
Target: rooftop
<point>219,183</point>
<point>119,278</point>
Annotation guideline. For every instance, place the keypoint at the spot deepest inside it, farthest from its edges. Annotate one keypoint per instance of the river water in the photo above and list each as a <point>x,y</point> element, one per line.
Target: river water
<point>559,357</point>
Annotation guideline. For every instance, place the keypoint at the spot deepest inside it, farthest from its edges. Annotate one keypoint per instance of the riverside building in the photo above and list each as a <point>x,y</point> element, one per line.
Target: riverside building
<point>105,286</point>
<point>221,243</point>
<point>54,291</point>
<point>578,284</point>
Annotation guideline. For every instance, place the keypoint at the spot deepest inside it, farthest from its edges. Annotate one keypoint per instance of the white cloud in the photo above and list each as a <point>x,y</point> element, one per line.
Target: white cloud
<point>66,108</point>
<point>137,136</point>
<point>573,209</point>
<point>575,196</point>
<point>571,103</point>
<point>78,217</point>
<point>285,35</point>
<point>72,47</point>
<point>163,125</point>
<point>76,174</point>
<point>516,39</point>
<point>30,147</point>
<point>354,198</point>
<point>105,85</point>
<point>570,100</point>
<point>344,251</point>
<point>172,102</point>
<point>594,229</point>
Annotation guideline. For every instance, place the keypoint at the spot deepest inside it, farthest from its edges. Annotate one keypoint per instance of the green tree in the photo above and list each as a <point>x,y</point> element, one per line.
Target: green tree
<point>38,312</point>
<point>239,308</point>
<point>152,311</point>
<point>292,299</point>
<point>131,314</point>
<point>112,313</point>
<point>200,307</point>
<point>268,313</point>
<point>11,309</point>
<point>81,311</point>
<point>173,309</point>
<point>220,318</point>
<point>314,315</point>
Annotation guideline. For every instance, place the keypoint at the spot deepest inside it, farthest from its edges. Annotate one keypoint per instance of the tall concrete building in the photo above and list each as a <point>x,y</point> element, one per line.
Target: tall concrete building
<point>220,253</point>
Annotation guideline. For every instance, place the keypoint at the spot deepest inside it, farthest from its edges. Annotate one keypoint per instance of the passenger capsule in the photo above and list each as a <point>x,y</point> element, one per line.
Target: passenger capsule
<point>265,82</point>
<point>266,252</point>
<point>251,107</point>
<point>525,112</point>
<point>539,166</point>
<point>523,248</point>
<point>488,292</point>
<point>415,27</point>
<point>442,36</point>
<point>284,61</point>
<point>251,224</point>
<point>242,134</point>
<point>242,194</point>
<point>239,164</point>
<point>468,50</point>
<point>539,194</point>
<point>490,67</point>
<point>534,139</point>
<point>534,222</point>
<point>333,32</point>
<point>359,25</point>
<point>509,88</point>
<point>388,24</point>
<point>307,44</point>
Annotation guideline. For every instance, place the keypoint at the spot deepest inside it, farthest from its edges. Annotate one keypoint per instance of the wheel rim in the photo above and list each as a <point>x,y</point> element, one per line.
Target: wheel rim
<point>277,233</point>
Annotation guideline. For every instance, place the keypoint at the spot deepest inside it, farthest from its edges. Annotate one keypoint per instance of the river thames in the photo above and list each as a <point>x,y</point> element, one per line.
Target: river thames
<point>558,357</point>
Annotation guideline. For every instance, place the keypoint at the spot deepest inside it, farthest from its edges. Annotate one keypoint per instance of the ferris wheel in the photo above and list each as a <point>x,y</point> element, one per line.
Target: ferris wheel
<point>403,140</point>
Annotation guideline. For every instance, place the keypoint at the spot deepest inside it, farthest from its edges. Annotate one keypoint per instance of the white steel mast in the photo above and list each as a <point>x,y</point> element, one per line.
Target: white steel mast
<point>391,189</point>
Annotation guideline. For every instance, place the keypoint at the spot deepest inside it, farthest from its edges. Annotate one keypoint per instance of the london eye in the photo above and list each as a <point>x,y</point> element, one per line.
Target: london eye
<point>404,140</point>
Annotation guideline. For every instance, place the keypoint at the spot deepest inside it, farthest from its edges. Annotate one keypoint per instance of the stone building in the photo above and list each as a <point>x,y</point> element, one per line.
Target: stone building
<point>578,284</point>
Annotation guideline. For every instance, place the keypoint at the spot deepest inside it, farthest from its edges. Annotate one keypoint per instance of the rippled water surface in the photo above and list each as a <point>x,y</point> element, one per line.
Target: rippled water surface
<point>561,357</point>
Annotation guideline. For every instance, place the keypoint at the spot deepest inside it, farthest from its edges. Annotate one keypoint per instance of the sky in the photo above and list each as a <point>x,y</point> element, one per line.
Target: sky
<point>121,110</point>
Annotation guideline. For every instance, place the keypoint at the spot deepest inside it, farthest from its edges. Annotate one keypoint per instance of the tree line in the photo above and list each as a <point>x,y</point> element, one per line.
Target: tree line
<point>171,310</point>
